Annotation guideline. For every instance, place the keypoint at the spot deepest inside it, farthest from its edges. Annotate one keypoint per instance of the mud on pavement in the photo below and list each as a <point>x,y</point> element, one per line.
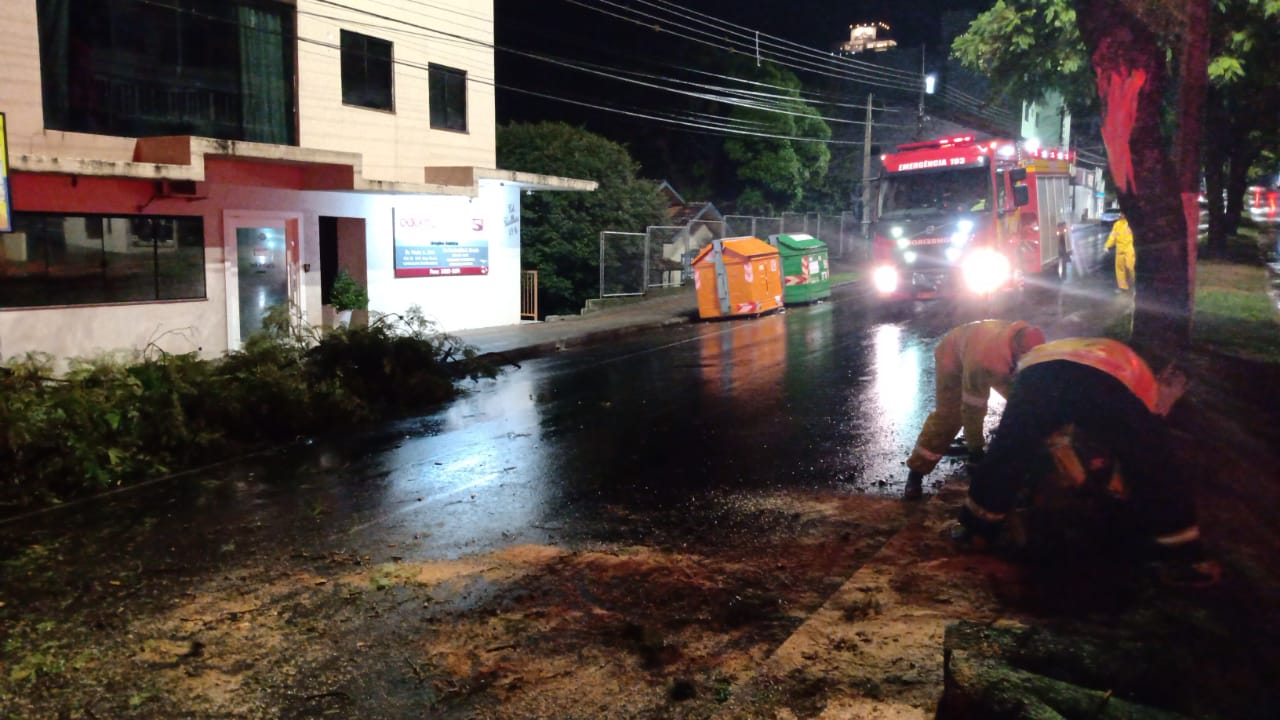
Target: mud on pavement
<point>644,623</point>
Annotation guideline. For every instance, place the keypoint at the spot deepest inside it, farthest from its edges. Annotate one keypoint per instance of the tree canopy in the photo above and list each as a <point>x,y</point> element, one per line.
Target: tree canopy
<point>786,153</point>
<point>1028,47</point>
<point>560,231</point>
<point>1146,66</point>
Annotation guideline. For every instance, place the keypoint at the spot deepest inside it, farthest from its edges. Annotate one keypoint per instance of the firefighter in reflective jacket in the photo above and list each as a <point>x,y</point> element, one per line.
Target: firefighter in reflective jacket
<point>1105,388</point>
<point>970,361</point>
<point>1121,238</point>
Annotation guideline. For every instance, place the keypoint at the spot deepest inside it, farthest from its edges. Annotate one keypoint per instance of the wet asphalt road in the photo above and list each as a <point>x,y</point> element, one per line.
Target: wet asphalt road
<point>648,438</point>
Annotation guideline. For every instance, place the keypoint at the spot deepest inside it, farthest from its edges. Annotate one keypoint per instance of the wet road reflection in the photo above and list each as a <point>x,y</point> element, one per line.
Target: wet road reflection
<point>662,428</point>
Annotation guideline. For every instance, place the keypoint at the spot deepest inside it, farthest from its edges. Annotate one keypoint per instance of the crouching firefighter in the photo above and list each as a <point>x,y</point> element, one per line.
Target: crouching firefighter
<point>970,361</point>
<point>1105,388</point>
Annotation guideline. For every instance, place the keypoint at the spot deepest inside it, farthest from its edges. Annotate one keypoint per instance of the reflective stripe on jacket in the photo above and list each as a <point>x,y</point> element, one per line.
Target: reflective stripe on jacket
<point>1114,358</point>
<point>1121,237</point>
<point>981,353</point>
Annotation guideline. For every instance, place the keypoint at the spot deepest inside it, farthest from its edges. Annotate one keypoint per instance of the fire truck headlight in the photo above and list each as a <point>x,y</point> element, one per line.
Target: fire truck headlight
<point>896,231</point>
<point>958,239</point>
<point>964,227</point>
<point>903,243</point>
<point>985,270</point>
<point>885,279</point>
<point>953,253</point>
<point>910,256</point>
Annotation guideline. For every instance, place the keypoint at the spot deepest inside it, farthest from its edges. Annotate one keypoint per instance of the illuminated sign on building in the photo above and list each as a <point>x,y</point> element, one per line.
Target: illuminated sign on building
<point>442,240</point>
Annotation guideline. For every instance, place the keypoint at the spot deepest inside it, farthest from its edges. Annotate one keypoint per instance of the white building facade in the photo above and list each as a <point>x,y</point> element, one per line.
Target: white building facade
<point>175,169</point>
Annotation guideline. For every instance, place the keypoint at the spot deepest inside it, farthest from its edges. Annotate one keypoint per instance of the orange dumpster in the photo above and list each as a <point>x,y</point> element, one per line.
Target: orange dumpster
<point>737,277</point>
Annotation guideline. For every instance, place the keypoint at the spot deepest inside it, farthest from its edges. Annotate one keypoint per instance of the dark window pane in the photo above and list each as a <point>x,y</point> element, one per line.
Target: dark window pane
<point>366,71</point>
<point>79,260</point>
<point>181,268</point>
<point>140,68</point>
<point>448,98</point>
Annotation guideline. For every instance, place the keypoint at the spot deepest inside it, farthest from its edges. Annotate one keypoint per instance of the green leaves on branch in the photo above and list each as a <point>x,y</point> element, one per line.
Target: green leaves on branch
<point>118,418</point>
<point>1028,48</point>
<point>787,154</point>
<point>347,294</point>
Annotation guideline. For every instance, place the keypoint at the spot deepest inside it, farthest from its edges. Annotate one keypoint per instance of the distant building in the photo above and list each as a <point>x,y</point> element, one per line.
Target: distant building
<point>865,38</point>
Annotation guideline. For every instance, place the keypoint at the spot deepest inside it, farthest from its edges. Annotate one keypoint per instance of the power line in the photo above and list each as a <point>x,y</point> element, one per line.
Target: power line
<point>738,46</point>
<point>749,33</point>
<point>961,100</point>
<point>722,125</point>
<point>577,66</point>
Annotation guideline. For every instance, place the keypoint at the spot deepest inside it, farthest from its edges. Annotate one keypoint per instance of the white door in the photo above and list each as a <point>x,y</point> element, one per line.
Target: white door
<point>262,269</point>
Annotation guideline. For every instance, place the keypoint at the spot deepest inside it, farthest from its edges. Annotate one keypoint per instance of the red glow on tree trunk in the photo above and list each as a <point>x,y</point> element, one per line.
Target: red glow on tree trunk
<point>1119,93</point>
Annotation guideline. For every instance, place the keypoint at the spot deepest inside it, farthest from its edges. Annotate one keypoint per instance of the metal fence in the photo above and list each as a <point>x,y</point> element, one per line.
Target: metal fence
<point>842,232</point>
<point>752,225</point>
<point>672,249</point>
<point>528,294</point>
<point>662,256</point>
<point>624,268</point>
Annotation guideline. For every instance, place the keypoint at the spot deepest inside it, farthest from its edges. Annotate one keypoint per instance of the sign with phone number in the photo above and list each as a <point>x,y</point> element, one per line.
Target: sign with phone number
<point>439,243</point>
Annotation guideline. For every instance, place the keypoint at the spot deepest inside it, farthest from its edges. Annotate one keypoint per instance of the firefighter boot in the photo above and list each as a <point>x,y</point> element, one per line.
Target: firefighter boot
<point>915,486</point>
<point>973,532</point>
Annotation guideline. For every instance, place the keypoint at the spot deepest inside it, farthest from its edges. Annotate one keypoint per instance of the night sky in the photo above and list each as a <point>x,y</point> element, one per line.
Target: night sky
<point>577,32</point>
<point>574,32</point>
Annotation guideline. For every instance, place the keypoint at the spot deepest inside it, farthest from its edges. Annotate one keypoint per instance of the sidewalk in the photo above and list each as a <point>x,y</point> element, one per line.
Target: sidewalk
<point>532,339</point>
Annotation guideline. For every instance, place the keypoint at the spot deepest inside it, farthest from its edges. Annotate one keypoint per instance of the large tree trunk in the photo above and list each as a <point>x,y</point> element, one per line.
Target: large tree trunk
<point>1242,156</point>
<point>1215,181</point>
<point>1132,79</point>
<point>1193,90</point>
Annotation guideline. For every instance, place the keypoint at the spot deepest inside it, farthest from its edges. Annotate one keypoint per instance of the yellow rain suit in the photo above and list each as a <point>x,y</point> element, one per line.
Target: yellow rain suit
<point>1121,238</point>
<point>970,362</point>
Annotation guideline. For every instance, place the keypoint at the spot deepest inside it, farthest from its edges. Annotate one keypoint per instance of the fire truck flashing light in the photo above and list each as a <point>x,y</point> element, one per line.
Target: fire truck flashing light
<point>1031,150</point>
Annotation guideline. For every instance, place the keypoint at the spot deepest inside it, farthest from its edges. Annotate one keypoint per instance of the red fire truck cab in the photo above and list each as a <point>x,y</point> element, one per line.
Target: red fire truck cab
<point>960,216</point>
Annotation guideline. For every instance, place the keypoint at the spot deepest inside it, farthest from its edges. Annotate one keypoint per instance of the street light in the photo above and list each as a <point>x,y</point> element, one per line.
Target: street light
<point>927,88</point>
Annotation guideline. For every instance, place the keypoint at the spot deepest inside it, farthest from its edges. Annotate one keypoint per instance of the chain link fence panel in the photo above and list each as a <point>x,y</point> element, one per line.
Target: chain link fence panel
<point>842,232</point>
<point>672,249</point>
<point>623,265</point>
<point>752,226</point>
<point>662,256</point>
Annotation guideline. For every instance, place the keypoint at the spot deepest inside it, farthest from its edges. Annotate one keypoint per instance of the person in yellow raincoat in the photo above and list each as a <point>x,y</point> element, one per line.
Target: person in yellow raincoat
<point>1105,388</point>
<point>969,362</point>
<point>1121,238</point>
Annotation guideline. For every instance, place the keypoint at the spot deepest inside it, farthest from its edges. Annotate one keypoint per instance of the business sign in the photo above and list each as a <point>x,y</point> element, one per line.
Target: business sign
<point>442,239</point>
<point>6,216</point>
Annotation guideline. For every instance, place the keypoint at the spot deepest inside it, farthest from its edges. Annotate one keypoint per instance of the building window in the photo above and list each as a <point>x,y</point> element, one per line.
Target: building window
<point>448,98</point>
<point>366,71</point>
<point>101,259</point>
<point>141,68</point>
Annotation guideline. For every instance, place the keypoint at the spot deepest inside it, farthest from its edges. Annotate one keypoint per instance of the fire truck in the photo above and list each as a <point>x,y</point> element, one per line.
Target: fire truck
<point>957,216</point>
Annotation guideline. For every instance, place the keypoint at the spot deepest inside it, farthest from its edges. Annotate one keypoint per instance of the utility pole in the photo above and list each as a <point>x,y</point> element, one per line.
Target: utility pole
<point>866,174</point>
<point>924,86</point>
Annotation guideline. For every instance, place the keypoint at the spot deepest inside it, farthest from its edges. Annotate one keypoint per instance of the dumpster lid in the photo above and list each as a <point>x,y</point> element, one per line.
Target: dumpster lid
<point>797,241</point>
<point>742,247</point>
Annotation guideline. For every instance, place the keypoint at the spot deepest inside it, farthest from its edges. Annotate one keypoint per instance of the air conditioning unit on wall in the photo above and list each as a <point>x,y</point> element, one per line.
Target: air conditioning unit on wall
<point>188,189</point>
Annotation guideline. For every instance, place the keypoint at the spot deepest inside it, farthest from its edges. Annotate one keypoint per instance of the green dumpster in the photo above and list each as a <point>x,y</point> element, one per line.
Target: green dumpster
<point>806,272</point>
